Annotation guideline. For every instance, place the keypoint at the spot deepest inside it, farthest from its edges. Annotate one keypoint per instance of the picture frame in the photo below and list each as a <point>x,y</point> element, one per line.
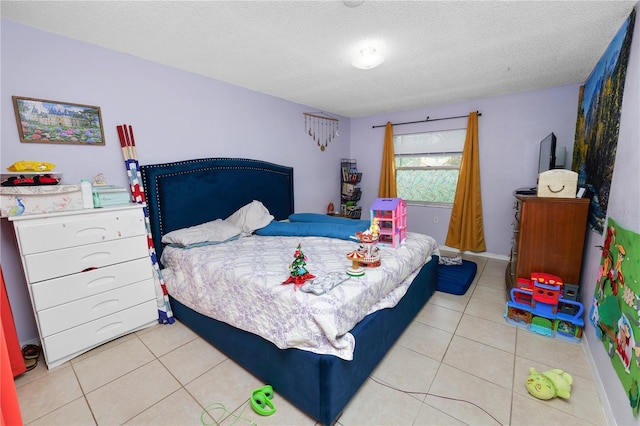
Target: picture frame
<point>46,121</point>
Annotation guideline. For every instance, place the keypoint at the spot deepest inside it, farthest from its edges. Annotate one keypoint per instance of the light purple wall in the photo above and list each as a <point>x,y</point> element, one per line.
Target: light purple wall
<point>510,130</point>
<point>178,115</point>
<point>175,115</point>
<point>624,208</point>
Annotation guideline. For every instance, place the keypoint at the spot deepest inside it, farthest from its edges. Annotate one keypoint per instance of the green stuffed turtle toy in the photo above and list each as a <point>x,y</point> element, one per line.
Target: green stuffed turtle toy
<point>549,384</point>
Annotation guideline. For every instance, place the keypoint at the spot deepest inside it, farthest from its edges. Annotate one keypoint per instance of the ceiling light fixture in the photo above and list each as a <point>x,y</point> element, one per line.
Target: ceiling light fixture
<point>368,57</point>
<point>353,3</point>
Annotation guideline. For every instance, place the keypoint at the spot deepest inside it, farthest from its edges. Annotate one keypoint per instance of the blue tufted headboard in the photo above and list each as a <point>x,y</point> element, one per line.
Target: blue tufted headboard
<point>187,193</point>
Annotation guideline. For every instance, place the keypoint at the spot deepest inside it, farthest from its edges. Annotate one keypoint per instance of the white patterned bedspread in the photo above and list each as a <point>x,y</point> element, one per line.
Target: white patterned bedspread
<point>240,282</point>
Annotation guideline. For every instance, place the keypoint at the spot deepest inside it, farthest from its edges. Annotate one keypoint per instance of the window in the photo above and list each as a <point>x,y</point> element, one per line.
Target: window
<point>428,164</point>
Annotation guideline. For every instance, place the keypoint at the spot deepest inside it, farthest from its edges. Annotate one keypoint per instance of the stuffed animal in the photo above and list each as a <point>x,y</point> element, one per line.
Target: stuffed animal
<point>549,384</point>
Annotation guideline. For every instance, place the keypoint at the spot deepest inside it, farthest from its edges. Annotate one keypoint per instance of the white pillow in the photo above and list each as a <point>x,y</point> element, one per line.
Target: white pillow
<point>215,231</point>
<point>251,217</point>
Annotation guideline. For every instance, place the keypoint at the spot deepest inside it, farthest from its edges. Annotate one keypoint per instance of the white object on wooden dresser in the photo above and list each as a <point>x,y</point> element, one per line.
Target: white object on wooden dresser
<point>89,276</point>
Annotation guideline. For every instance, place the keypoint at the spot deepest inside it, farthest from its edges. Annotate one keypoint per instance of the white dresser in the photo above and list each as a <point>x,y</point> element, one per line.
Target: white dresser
<point>89,275</point>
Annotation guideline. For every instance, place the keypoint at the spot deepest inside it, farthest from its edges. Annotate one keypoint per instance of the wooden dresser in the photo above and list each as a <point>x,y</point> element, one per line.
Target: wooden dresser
<point>548,236</point>
<point>89,277</point>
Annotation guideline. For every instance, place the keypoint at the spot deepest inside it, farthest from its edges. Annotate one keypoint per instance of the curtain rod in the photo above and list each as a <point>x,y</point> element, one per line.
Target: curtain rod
<point>427,119</point>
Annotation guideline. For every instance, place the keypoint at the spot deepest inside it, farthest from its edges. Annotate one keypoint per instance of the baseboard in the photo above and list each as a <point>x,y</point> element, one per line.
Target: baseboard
<point>604,400</point>
<point>473,253</point>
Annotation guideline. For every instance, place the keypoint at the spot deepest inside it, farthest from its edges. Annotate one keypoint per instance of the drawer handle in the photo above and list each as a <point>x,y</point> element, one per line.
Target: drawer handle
<point>101,281</point>
<point>109,328</point>
<point>86,232</point>
<point>107,304</point>
<point>94,256</point>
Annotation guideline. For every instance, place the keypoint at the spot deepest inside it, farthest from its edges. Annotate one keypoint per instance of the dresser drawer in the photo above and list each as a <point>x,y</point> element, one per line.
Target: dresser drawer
<point>57,263</point>
<point>72,314</point>
<point>40,235</point>
<point>50,293</point>
<point>72,342</point>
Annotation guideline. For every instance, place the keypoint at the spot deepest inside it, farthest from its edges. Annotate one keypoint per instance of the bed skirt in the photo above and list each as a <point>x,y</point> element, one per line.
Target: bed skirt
<point>320,385</point>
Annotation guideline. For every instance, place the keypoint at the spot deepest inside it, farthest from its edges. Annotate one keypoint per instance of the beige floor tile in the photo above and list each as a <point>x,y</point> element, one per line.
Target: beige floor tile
<point>436,316</point>
<point>486,307</point>
<point>457,347</point>
<point>468,398</point>
<point>495,268</point>
<point>554,352</point>
<point>489,294</point>
<point>130,395</point>
<point>192,360</point>
<point>50,392</point>
<point>148,329</point>
<point>104,347</point>
<point>166,337</point>
<point>430,416</point>
<point>407,370</point>
<point>37,373</point>
<point>481,360</point>
<point>451,301</point>
<point>179,408</point>
<point>109,364</point>
<point>375,404</point>
<point>500,336</point>
<point>75,413</point>
<point>584,402</point>
<point>227,384</point>
<point>532,412</point>
<point>425,340</point>
<point>286,415</point>
<point>496,283</point>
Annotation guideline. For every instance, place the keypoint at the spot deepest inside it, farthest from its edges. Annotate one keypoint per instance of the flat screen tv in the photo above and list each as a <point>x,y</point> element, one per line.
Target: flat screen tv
<point>547,157</point>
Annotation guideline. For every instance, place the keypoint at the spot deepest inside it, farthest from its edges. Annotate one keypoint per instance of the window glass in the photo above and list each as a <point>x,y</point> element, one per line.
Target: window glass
<point>428,164</point>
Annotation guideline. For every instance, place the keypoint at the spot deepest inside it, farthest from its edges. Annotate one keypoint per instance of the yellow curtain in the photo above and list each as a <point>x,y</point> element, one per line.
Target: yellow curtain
<point>387,188</point>
<point>466,230</point>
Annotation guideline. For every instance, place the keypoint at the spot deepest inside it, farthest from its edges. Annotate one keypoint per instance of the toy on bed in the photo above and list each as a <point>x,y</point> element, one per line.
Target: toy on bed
<point>355,270</point>
<point>549,384</point>
<point>298,268</point>
<point>370,252</point>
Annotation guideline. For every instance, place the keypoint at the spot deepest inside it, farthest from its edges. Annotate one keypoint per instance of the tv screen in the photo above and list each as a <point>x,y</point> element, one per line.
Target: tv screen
<point>547,158</point>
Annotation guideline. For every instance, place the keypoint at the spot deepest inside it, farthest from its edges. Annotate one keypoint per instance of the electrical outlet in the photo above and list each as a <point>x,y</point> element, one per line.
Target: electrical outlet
<point>435,219</point>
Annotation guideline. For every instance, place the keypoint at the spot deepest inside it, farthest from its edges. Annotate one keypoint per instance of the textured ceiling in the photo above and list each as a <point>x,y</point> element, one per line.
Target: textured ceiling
<point>437,52</point>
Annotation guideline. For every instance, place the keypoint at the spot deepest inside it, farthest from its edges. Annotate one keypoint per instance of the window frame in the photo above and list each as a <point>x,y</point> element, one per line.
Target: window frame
<point>429,167</point>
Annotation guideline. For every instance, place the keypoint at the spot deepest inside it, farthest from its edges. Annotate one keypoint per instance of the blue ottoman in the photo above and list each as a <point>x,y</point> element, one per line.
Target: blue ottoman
<point>456,279</point>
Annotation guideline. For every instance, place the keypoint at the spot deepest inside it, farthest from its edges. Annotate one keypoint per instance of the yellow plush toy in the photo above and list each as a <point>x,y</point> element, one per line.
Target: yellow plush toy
<point>31,166</point>
<point>549,384</point>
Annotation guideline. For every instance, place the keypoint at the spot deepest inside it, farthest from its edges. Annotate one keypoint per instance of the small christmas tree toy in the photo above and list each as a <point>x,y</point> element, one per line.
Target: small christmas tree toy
<point>298,269</point>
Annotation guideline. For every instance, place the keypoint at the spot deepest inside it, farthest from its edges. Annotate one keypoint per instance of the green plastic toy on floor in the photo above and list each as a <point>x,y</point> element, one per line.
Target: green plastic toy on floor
<point>549,384</point>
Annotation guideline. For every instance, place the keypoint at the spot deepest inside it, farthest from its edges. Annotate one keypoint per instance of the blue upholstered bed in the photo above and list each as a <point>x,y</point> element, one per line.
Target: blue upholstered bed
<point>187,193</point>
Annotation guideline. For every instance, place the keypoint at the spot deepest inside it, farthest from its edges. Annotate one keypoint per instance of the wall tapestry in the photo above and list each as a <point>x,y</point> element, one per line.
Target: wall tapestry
<point>598,123</point>
<point>615,311</point>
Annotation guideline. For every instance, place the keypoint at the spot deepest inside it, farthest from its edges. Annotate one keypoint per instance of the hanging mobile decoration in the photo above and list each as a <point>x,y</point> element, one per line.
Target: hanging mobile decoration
<point>320,128</point>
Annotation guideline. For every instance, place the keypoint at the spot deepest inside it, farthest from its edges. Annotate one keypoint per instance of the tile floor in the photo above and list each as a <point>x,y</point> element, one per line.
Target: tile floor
<point>461,361</point>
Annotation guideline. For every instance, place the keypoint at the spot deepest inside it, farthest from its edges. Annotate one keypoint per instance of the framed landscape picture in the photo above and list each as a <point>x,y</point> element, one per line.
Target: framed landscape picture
<point>45,121</point>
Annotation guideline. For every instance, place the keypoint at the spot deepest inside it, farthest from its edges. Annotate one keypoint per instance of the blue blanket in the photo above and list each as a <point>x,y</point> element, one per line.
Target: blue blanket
<point>315,225</point>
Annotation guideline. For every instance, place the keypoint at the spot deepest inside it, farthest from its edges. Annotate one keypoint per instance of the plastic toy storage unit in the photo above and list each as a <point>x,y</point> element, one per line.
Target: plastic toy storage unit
<point>392,220</point>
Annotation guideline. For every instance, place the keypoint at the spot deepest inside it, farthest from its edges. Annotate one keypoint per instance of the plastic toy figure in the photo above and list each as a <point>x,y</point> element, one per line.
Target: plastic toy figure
<point>298,268</point>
